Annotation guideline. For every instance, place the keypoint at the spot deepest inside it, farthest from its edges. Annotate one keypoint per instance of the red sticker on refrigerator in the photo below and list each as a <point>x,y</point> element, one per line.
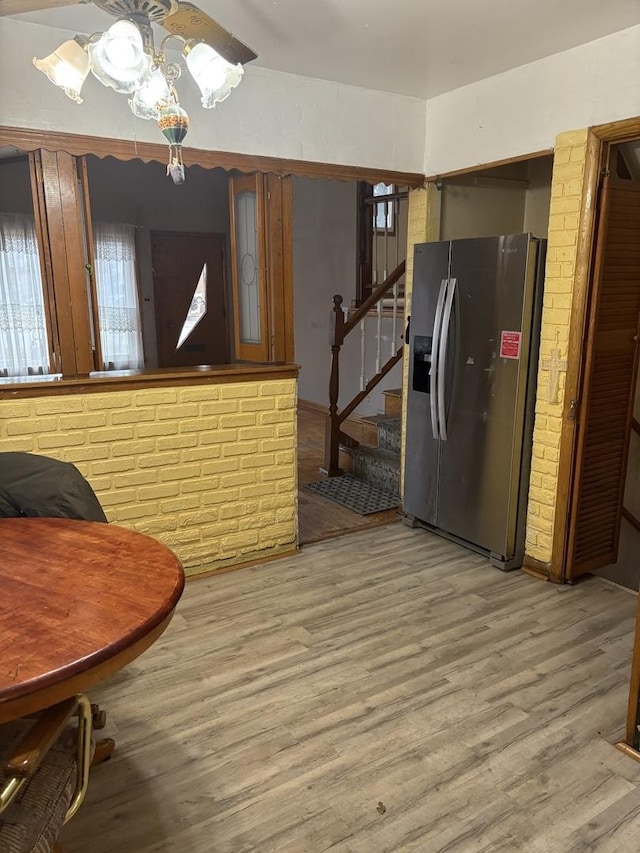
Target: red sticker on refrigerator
<point>510,344</point>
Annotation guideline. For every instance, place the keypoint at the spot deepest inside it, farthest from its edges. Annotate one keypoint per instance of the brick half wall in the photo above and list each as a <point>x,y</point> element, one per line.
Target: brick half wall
<point>209,470</point>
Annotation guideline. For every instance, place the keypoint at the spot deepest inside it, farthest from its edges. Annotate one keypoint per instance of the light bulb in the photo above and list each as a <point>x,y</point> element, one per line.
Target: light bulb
<point>147,97</point>
<point>118,58</point>
<point>214,75</point>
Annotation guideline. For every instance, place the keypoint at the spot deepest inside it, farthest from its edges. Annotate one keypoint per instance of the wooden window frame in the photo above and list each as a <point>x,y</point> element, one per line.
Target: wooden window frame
<point>60,197</point>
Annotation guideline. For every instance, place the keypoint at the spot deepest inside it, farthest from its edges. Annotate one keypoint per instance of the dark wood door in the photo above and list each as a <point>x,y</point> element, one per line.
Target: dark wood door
<point>609,378</point>
<point>178,259</point>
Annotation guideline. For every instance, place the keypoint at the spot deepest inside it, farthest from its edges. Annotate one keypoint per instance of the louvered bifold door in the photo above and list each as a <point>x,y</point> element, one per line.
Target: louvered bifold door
<point>609,376</point>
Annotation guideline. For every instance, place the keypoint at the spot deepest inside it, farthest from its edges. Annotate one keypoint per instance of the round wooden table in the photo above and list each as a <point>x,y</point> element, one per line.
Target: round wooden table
<point>78,601</point>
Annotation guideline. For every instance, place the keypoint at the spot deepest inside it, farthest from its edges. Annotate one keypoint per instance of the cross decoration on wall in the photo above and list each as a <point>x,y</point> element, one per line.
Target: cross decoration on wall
<point>555,365</point>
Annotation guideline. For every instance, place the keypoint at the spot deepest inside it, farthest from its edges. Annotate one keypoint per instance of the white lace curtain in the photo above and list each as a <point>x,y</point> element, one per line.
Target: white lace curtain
<point>117,290</point>
<point>23,337</point>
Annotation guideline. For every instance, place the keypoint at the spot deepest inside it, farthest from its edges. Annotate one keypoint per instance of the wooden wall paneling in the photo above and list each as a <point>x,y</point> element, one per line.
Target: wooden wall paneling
<point>71,206</point>
<point>279,267</point>
<point>91,260</point>
<point>287,268</point>
<point>44,255</point>
<point>273,245</point>
<point>123,149</point>
<point>55,226</point>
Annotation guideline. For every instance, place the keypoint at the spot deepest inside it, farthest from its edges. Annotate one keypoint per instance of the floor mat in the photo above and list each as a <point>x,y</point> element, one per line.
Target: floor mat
<point>356,495</point>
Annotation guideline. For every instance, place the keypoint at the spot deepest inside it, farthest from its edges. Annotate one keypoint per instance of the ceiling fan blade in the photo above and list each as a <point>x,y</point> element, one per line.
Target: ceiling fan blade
<point>192,23</point>
<point>15,7</point>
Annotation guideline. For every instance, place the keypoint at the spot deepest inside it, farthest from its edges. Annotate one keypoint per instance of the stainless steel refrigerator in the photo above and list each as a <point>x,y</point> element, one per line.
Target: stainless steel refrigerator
<point>474,333</point>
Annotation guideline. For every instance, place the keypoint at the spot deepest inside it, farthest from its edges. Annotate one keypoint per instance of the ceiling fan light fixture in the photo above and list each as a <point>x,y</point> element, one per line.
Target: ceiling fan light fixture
<point>119,59</point>
<point>149,97</point>
<point>67,67</point>
<point>214,76</point>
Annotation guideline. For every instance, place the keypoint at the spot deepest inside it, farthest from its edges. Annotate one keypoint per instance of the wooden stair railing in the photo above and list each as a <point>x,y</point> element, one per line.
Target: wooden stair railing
<point>341,328</point>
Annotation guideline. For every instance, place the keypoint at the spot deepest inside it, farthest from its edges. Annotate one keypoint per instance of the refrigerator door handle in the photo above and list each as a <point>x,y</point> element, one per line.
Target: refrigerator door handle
<point>442,359</point>
<point>435,348</point>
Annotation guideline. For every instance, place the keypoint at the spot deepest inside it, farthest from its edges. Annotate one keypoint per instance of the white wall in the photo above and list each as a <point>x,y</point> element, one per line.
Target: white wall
<point>282,115</point>
<point>538,196</point>
<point>271,113</point>
<point>325,263</point>
<point>480,211</point>
<point>523,110</point>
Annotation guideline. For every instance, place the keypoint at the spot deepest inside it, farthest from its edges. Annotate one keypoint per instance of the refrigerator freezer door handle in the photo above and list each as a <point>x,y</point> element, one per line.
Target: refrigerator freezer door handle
<point>435,349</point>
<point>442,359</point>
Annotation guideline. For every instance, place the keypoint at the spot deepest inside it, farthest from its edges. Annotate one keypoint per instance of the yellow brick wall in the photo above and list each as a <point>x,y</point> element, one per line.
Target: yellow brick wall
<point>567,198</point>
<point>210,470</point>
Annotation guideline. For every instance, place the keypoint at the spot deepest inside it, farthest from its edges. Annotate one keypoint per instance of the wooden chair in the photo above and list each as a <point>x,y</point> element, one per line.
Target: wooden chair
<point>44,773</point>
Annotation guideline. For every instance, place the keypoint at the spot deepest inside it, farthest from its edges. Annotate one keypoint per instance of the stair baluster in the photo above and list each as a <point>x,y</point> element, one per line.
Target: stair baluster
<point>341,328</point>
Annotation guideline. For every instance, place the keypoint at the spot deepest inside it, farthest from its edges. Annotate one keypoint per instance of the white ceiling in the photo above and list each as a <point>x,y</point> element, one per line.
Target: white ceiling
<point>412,47</point>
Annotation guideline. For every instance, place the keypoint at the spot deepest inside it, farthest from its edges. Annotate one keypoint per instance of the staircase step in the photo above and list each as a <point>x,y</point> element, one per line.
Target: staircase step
<point>376,466</point>
<point>393,402</point>
<point>389,434</point>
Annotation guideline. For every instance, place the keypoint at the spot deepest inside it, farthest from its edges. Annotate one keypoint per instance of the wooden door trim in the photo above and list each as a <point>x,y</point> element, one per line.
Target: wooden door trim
<point>280,267</point>
<point>494,164</point>
<point>598,141</point>
<point>60,195</point>
<point>93,286</point>
<point>44,253</point>
<point>123,149</point>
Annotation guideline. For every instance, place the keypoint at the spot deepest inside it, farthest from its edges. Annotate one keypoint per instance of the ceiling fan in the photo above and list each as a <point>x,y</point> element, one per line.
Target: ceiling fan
<point>180,18</point>
<point>125,59</point>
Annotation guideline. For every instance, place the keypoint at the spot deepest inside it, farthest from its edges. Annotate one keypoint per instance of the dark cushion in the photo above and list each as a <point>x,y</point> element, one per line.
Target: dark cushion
<point>32,485</point>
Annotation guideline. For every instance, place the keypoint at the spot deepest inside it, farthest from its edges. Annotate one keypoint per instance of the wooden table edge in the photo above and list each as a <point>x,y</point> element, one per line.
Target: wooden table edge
<point>37,700</point>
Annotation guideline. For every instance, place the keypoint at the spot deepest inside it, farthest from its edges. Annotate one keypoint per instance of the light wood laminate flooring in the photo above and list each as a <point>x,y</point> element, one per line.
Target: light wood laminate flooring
<point>384,691</point>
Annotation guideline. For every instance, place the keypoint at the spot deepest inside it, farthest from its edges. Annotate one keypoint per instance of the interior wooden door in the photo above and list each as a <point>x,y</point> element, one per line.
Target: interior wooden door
<point>609,378</point>
<point>178,259</point>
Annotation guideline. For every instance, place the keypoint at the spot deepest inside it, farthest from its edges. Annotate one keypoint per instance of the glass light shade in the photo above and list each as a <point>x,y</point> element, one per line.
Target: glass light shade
<point>118,58</point>
<point>214,75</point>
<point>67,67</point>
<point>146,98</point>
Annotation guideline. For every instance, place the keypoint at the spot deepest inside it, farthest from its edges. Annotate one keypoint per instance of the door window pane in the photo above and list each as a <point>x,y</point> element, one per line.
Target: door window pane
<point>247,266</point>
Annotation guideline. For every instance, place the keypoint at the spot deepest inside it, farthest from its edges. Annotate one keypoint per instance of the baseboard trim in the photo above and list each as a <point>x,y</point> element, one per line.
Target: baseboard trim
<point>536,568</point>
<point>310,406</point>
